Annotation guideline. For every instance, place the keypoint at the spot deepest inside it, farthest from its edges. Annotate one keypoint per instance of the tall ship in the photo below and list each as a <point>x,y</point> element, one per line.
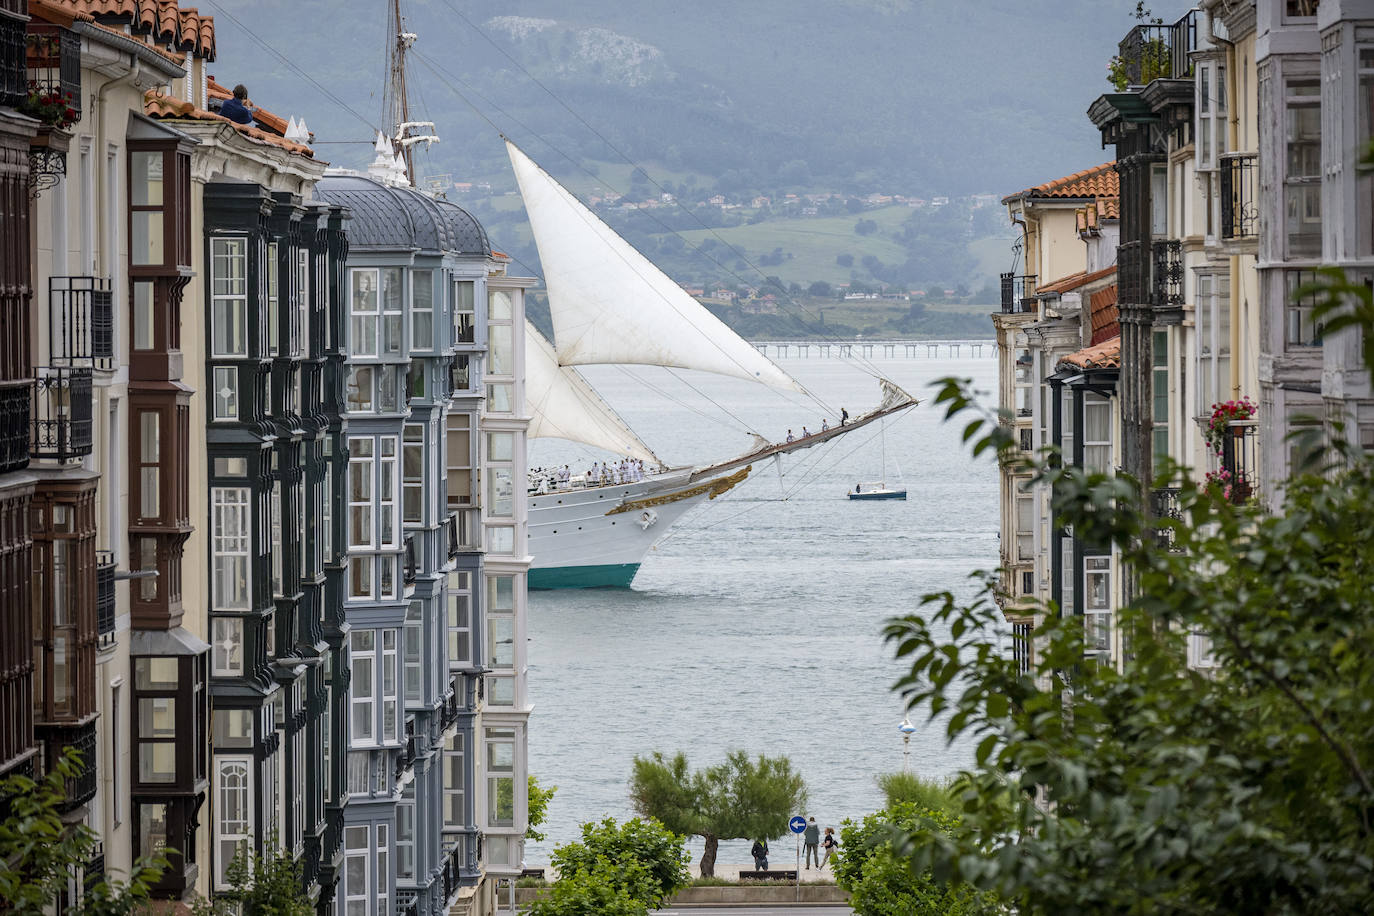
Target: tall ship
<point>610,305</point>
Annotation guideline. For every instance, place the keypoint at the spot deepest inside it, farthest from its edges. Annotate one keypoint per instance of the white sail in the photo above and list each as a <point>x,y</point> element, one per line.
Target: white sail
<point>563,406</point>
<point>610,304</point>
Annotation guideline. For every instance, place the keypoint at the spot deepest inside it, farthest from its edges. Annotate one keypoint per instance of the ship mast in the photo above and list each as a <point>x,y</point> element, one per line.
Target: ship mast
<point>396,105</point>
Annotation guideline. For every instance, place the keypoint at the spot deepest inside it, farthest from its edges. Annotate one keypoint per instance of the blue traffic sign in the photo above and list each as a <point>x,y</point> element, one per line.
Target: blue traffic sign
<point>797,824</point>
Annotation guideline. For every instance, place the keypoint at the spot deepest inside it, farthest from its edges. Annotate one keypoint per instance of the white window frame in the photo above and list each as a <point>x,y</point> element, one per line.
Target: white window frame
<point>1301,188</point>
<point>495,737</point>
<point>413,661</point>
<point>225,407</point>
<point>234,297</point>
<point>273,300</point>
<point>419,316</point>
<point>413,484</point>
<point>358,846</point>
<point>231,547</point>
<point>405,834</point>
<point>458,610</point>
<point>455,781</point>
<point>501,678</point>
<point>239,831</point>
<point>1097,605</point>
<point>363,323</point>
<point>363,689</point>
<point>390,676</point>
<point>226,642</point>
<point>1093,402</point>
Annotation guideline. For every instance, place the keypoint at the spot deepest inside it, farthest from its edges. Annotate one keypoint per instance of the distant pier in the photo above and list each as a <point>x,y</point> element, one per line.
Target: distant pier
<point>806,349</point>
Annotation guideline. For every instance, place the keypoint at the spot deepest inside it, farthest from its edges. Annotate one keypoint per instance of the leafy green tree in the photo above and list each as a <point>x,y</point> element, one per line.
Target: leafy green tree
<point>879,880</point>
<point>737,799</point>
<point>260,885</point>
<point>913,789</point>
<point>538,807</point>
<point>601,892</point>
<point>39,852</point>
<point>642,856</point>
<point>1169,790</point>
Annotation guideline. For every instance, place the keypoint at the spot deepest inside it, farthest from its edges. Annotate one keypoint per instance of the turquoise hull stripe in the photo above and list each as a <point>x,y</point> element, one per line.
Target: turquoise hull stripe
<point>613,575</point>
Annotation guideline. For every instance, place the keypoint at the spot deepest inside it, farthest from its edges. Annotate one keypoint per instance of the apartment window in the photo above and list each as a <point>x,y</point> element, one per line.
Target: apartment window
<point>326,525</point>
<point>149,464</point>
<point>391,713</point>
<point>1097,614</point>
<point>500,760</point>
<point>1300,328</point>
<point>273,315</point>
<point>1301,420</point>
<point>1022,648</point>
<point>1302,174</point>
<point>389,533</point>
<point>361,471</point>
<point>229,296</point>
<point>422,310</point>
<point>1066,573</point>
<point>278,545</point>
<point>169,715</point>
<point>416,380</point>
<point>1159,394</point>
<point>413,661</point>
<point>144,330</point>
<point>459,619</point>
<point>147,242</point>
<point>1025,522</point>
<point>413,474</point>
<point>405,834</point>
<point>455,782</point>
<point>459,454</point>
<point>501,354</point>
<point>1097,433</point>
<point>226,393</point>
<point>393,303</point>
<point>501,640</point>
<point>232,539</point>
<point>234,821</point>
<point>1211,113</point>
<point>363,648</point>
<point>500,495</point>
<point>227,656</point>
<point>1213,317</point>
<point>359,772</point>
<point>464,316</point>
<point>1024,383</point>
<point>363,311</point>
<point>1364,196</point>
<point>357,877</point>
<point>300,318</point>
<point>1300,9</point>
<point>298,765</point>
<point>383,875</point>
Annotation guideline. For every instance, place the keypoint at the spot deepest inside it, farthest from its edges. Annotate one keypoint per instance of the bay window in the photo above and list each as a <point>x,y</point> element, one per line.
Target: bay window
<point>1213,320</point>
<point>413,474</point>
<point>405,834</point>
<point>459,620</point>
<point>501,640</point>
<point>358,874</point>
<point>229,296</point>
<point>413,660</point>
<point>464,311</point>
<point>393,306</point>
<point>231,540</point>
<point>1097,608</point>
<point>1300,330</point>
<point>1097,433</point>
<point>500,772</point>
<point>233,814</point>
<point>363,650</point>
<point>363,311</point>
<point>273,313</point>
<point>1302,173</point>
<point>455,782</point>
<point>422,310</point>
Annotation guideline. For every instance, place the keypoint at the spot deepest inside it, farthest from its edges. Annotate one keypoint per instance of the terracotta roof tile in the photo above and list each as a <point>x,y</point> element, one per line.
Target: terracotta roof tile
<point>57,12</point>
<point>1106,355</point>
<point>1104,315</point>
<point>162,20</point>
<point>1100,182</point>
<point>160,105</point>
<point>1074,281</point>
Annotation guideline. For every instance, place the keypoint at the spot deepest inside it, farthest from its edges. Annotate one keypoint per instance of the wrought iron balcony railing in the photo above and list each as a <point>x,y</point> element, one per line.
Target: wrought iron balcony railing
<point>1239,215</point>
<point>80,322</point>
<point>104,594</point>
<point>55,740</point>
<point>94,870</point>
<point>16,401</point>
<point>61,413</point>
<point>451,527</point>
<point>1156,51</point>
<point>1237,465</point>
<point>408,751</point>
<point>53,61</point>
<point>1018,293</point>
<point>1166,273</point>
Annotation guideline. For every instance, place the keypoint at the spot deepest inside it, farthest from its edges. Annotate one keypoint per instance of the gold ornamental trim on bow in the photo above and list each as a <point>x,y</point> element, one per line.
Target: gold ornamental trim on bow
<point>713,488</point>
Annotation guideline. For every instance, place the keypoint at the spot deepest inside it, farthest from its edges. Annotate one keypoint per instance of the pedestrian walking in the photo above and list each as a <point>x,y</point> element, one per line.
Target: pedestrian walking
<point>760,854</point>
<point>812,840</point>
<point>829,844</point>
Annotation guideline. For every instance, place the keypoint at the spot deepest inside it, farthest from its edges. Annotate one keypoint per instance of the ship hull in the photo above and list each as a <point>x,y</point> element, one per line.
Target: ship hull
<point>597,537</point>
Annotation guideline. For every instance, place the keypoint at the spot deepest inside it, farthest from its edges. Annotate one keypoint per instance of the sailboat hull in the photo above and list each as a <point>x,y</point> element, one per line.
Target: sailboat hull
<point>597,537</point>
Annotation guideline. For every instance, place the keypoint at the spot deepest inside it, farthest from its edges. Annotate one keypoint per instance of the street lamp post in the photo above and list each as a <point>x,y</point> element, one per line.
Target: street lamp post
<point>906,728</point>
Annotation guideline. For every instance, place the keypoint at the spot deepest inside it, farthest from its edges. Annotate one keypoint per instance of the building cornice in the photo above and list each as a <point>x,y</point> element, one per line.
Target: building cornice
<point>225,152</point>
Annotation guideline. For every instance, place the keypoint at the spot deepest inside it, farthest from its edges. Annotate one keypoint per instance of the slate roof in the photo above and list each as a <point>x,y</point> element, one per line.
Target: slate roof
<point>388,218</point>
<point>1106,355</point>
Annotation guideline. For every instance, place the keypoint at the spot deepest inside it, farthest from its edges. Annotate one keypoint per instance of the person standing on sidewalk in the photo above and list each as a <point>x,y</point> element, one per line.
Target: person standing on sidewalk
<point>760,854</point>
<point>829,844</point>
<point>812,839</point>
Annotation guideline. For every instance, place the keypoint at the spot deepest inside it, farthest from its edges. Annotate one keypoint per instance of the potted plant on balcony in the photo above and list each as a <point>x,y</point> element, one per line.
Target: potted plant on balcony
<point>1223,414</point>
<point>53,107</point>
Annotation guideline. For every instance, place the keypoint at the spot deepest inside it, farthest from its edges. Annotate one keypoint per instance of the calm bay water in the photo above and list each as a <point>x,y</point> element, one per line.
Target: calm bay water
<point>757,623</point>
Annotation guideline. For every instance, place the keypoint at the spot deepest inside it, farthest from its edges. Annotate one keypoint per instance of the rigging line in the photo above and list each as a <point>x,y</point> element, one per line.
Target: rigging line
<point>881,429</point>
<point>676,400</point>
<point>583,121</point>
<point>861,362</point>
<point>293,67</point>
<point>686,381</point>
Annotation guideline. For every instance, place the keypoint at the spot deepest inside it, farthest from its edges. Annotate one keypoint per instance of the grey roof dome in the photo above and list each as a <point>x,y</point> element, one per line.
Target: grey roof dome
<point>389,219</point>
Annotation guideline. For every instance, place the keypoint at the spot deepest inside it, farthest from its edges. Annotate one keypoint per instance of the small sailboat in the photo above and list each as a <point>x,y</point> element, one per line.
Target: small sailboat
<point>878,489</point>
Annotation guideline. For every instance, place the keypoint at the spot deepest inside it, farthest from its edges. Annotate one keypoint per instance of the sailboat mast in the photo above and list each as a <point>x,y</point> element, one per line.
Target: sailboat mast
<point>397,104</point>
